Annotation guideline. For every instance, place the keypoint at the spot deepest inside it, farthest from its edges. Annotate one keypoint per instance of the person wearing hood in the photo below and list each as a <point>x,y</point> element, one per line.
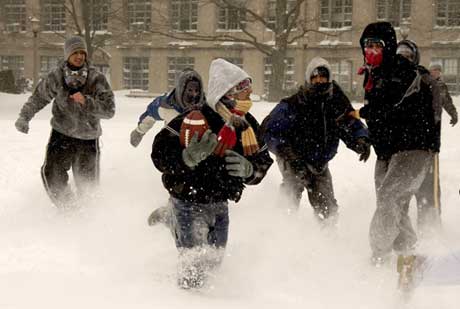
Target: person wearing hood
<point>188,92</point>
<point>81,98</point>
<point>303,133</point>
<point>401,111</point>
<point>202,177</point>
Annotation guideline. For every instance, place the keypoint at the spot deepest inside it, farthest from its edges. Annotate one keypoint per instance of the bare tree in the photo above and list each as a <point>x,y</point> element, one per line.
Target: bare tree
<point>90,19</point>
<point>287,22</point>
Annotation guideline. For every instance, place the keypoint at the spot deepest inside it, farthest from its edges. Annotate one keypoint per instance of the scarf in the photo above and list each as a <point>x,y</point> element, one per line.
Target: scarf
<point>233,113</point>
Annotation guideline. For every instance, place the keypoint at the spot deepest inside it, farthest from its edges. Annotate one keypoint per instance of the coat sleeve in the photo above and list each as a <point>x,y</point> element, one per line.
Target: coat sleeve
<point>43,94</point>
<point>446,100</point>
<point>276,127</point>
<point>261,161</point>
<point>167,151</point>
<point>351,129</point>
<point>101,104</point>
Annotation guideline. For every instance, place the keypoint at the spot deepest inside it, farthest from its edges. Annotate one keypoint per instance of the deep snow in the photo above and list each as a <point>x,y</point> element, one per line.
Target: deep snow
<point>104,255</point>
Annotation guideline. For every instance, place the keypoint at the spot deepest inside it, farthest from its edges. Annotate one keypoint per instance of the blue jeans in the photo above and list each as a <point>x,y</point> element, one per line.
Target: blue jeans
<point>199,224</point>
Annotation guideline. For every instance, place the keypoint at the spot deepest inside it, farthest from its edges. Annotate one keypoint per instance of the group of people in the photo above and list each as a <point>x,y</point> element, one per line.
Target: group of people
<point>402,109</point>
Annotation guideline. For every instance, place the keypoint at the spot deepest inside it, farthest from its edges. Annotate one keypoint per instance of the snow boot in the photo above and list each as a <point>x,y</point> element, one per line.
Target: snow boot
<point>160,215</point>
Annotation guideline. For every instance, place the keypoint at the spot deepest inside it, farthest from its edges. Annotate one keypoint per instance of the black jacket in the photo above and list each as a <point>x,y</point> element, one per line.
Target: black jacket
<point>209,182</point>
<point>303,127</point>
<point>415,119</point>
<point>377,110</point>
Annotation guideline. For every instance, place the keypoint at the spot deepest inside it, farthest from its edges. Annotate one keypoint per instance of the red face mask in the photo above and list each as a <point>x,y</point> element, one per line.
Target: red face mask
<point>373,56</point>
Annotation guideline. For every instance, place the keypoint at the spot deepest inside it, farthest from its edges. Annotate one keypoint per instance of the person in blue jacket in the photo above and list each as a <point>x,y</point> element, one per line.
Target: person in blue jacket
<point>188,92</point>
<point>303,131</point>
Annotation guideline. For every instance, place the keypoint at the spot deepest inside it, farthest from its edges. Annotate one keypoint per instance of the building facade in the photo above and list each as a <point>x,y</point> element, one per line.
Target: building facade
<point>135,56</point>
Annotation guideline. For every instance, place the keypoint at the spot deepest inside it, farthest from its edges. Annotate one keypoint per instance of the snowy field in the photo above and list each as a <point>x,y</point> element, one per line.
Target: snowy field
<point>104,255</point>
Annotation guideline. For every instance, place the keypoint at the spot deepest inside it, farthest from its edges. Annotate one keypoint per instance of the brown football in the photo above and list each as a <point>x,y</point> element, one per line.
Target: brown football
<point>192,123</point>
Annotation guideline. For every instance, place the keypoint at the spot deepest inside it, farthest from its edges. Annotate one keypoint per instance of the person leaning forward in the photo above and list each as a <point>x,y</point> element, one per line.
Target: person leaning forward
<point>81,97</point>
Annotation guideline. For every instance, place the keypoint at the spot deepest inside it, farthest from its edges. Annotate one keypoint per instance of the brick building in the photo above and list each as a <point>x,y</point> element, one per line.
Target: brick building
<point>134,58</point>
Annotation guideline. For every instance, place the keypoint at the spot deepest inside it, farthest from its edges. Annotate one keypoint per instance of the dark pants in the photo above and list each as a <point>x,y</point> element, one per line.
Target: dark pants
<point>429,199</point>
<point>200,232</point>
<point>396,181</point>
<point>318,184</point>
<point>62,154</point>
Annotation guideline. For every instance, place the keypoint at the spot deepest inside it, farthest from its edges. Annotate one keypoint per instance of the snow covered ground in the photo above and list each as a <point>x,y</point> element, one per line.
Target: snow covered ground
<point>104,255</point>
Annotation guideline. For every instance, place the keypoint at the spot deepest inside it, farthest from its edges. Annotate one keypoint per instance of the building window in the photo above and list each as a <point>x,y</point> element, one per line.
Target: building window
<point>14,13</point>
<point>53,15</point>
<point>139,15</point>
<point>99,15</point>
<point>450,72</point>
<point>447,13</point>
<point>341,73</point>
<point>48,63</point>
<point>393,11</point>
<point>184,15</point>
<point>234,60</point>
<point>175,66</point>
<point>230,18</point>
<point>336,13</point>
<point>14,63</point>
<point>288,81</point>
<point>136,73</point>
<point>271,11</point>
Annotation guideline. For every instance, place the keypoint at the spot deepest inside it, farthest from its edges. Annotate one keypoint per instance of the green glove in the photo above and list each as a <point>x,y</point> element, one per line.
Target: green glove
<point>238,165</point>
<point>198,151</point>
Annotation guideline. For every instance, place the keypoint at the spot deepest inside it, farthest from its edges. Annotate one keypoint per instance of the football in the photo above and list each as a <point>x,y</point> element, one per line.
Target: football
<point>192,123</point>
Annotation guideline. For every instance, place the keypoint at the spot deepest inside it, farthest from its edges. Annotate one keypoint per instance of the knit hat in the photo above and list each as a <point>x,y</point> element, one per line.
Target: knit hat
<point>436,66</point>
<point>73,44</point>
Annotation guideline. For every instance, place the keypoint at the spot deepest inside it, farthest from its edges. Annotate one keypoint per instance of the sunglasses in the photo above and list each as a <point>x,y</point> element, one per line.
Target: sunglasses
<point>242,86</point>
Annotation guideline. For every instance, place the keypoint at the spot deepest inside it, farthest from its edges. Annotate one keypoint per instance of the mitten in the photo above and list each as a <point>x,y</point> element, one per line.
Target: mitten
<point>226,139</point>
<point>237,165</point>
<point>136,137</point>
<point>22,125</point>
<point>198,151</point>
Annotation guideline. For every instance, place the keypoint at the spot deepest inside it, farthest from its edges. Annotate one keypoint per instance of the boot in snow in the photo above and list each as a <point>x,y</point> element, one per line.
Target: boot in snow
<point>160,215</point>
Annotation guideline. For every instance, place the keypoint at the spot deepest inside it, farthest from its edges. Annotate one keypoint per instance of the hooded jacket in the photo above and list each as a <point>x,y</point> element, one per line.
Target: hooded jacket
<point>303,127</point>
<point>170,105</point>
<point>223,76</point>
<point>378,103</point>
<point>402,109</point>
<point>209,181</point>
<point>71,118</point>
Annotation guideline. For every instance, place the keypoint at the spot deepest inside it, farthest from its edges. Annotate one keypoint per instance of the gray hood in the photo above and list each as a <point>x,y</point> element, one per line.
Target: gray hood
<point>314,64</point>
<point>184,77</point>
<point>223,76</point>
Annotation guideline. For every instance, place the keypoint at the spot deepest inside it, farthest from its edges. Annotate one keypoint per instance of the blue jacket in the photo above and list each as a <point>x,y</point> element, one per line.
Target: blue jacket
<point>161,107</point>
<point>303,127</point>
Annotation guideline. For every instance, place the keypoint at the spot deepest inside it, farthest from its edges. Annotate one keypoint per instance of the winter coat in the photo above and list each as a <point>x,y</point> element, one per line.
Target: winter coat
<point>71,118</point>
<point>378,104</point>
<point>303,127</point>
<point>169,106</point>
<point>415,120</point>
<point>209,181</point>
<point>446,99</point>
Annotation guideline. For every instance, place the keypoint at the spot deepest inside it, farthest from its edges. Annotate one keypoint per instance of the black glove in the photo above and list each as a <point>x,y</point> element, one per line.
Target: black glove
<point>363,147</point>
<point>454,120</point>
<point>198,151</point>
<point>22,125</point>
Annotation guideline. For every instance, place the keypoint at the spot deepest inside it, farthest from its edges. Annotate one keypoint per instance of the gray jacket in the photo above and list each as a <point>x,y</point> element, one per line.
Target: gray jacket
<point>71,118</point>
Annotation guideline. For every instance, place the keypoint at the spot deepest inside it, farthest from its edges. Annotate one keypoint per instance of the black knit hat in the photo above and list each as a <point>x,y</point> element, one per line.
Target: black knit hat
<point>320,71</point>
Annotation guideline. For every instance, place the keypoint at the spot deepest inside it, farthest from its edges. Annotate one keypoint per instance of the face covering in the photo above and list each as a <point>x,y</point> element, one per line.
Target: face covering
<point>75,79</point>
<point>320,88</point>
<point>373,56</point>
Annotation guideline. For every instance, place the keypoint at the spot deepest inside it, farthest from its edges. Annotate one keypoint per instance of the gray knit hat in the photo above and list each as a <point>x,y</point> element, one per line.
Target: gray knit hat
<point>436,66</point>
<point>73,44</point>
